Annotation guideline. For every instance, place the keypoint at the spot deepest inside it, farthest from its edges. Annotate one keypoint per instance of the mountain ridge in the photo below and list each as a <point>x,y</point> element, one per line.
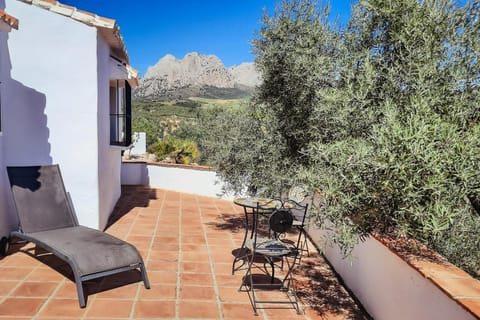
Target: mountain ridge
<point>196,75</point>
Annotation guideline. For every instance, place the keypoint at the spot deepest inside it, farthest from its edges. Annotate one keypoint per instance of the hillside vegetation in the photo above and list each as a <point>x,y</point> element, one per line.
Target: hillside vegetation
<point>160,119</point>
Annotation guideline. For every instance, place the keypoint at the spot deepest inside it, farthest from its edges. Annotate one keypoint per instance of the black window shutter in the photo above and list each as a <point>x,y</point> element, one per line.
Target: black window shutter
<point>128,114</point>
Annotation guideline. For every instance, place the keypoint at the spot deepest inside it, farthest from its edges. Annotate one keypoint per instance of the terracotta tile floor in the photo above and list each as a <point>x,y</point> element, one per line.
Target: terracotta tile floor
<point>187,243</point>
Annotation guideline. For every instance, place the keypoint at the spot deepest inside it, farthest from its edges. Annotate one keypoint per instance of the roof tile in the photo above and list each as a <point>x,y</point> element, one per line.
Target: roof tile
<point>8,19</point>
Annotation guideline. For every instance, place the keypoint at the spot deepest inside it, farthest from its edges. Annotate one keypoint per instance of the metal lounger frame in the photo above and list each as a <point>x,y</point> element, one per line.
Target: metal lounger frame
<point>21,182</point>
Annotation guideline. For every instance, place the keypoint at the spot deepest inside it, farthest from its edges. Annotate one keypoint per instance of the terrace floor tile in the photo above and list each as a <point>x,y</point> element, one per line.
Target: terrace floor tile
<point>188,244</point>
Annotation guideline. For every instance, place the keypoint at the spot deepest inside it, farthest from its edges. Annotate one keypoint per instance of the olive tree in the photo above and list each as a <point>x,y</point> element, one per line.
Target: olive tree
<point>380,118</point>
<point>409,163</point>
<point>296,51</point>
<point>263,148</point>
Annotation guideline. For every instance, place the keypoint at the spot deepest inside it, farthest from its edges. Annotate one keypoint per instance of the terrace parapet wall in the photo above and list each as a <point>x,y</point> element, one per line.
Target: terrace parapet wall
<point>394,281</point>
<point>195,179</point>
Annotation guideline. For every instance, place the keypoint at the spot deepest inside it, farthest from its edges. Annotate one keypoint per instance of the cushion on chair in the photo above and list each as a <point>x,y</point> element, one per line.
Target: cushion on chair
<point>274,248</point>
<point>281,220</point>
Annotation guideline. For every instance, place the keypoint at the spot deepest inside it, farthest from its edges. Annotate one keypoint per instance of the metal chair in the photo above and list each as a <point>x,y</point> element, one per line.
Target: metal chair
<point>300,198</point>
<point>271,249</point>
<point>301,221</point>
<point>250,209</point>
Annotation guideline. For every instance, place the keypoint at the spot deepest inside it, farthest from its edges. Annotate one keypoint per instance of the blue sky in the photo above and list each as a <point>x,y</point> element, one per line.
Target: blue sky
<point>153,28</point>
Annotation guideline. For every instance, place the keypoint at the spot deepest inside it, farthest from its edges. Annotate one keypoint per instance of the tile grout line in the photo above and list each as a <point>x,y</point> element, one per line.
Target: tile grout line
<point>302,304</point>
<point>147,258</point>
<point>179,260</point>
<point>233,240</point>
<point>210,260</point>
<point>50,298</point>
<point>129,232</point>
<point>9,295</point>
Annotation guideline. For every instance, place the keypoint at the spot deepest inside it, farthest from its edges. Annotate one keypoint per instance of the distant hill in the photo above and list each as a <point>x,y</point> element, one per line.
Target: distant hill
<point>196,75</point>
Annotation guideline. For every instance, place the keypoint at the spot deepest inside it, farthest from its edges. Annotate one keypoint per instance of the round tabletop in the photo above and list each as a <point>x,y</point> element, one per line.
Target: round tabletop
<point>264,203</point>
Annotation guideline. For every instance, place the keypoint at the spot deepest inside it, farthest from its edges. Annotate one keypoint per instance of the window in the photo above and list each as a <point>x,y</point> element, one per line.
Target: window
<point>120,113</point>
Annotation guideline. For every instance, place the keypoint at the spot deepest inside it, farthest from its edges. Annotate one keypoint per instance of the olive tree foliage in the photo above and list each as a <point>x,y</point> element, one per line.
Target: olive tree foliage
<point>296,51</point>
<point>410,161</point>
<point>236,143</point>
<point>380,118</point>
<point>262,149</point>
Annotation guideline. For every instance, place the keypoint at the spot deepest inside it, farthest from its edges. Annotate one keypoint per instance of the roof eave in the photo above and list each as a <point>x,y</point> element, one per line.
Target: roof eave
<point>114,39</point>
<point>107,27</point>
<point>132,76</point>
<point>8,20</point>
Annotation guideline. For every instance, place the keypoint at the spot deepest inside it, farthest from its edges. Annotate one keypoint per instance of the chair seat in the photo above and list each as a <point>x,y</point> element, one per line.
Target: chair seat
<point>91,250</point>
<point>271,247</point>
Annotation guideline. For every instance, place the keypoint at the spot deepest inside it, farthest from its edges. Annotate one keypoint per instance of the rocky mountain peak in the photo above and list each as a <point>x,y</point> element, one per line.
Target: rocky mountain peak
<point>195,75</point>
<point>246,74</point>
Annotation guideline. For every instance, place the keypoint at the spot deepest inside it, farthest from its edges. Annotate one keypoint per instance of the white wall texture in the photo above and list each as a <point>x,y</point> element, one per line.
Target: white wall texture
<point>172,178</point>
<point>51,101</point>
<point>7,221</point>
<point>139,143</point>
<point>386,285</point>
<point>109,157</point>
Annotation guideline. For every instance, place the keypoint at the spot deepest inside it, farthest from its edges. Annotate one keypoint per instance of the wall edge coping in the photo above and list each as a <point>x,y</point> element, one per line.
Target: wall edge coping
<point>170,165</point>
<point>435,270</point>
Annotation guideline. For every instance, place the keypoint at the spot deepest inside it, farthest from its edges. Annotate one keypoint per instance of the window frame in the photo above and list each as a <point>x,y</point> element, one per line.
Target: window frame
<point>121,123</point>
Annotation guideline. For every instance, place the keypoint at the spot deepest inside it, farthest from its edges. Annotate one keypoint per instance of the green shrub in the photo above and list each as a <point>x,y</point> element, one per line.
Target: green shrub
<point>178,151</point>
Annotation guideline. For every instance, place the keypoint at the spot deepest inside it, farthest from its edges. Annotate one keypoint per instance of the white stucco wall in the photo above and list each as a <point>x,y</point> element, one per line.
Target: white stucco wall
<point>109,157</point>
<point>51,101</point>
<point>186,180</point>
<point>139,143</point>
<point>7,221</point>
<point>386,285</point>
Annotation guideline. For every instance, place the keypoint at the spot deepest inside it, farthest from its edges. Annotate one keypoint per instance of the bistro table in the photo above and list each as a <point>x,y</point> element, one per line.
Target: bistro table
<point>252,206</point>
